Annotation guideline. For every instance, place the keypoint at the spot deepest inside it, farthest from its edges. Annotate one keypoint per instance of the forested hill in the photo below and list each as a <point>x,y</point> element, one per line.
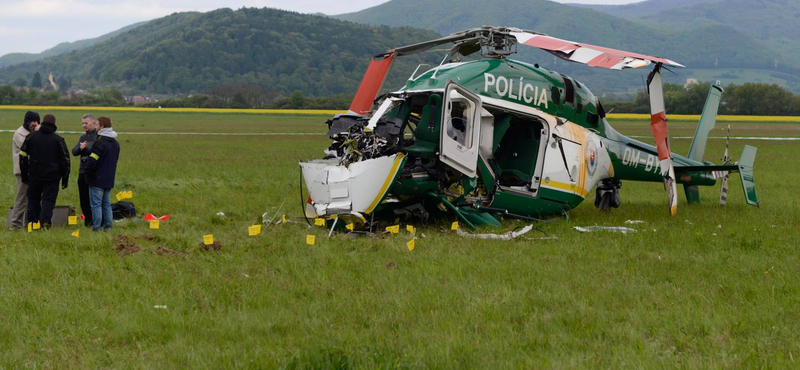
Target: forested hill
<point>713,46</point>
<point>276,50</point>
<point>62,48</point>
<point>641,8</point>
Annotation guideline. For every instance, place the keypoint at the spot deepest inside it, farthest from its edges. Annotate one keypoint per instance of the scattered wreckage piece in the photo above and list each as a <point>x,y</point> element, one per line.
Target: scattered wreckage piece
<point>616,229</point>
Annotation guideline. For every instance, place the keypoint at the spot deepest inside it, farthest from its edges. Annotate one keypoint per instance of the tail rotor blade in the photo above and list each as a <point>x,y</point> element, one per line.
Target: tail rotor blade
<point>723,191</point>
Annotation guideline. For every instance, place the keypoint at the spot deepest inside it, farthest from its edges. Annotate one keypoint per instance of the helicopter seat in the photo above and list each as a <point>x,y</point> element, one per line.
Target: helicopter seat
<point>517,154</point>
<point>428,130</point>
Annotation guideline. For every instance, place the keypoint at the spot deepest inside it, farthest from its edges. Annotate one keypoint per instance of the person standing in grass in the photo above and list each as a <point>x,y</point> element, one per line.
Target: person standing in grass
<point>101,169</point>
<point>43,160</point>
<point>30,124</point>
<point>83,149</point>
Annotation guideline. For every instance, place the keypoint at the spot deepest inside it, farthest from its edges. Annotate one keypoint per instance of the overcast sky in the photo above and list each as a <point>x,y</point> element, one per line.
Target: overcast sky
<point>33,26</point>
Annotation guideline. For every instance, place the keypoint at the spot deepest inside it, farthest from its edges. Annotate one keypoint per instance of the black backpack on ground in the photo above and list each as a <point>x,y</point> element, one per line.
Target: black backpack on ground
<point>121,210</point>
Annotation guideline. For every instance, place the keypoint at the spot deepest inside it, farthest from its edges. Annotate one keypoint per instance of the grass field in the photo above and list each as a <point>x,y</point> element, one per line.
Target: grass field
<point>710,288</point>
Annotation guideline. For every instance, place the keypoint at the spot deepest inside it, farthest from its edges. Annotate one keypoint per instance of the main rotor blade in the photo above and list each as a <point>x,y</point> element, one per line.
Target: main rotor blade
<point>658,124</point>
<point>422,46</point>
<point>591,55</point>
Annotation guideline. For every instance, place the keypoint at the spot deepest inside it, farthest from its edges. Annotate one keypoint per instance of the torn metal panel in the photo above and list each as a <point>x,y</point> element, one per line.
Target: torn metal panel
<point>357,188</point>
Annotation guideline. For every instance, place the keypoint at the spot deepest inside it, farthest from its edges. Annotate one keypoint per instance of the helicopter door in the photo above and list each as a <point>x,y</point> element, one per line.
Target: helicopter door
<point>460,135</point>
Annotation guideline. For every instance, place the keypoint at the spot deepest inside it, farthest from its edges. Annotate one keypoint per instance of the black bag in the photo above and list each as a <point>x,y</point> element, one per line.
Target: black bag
<point>121,210</point>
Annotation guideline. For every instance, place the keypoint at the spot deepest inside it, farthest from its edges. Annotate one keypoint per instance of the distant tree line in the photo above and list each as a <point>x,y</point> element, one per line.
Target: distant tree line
<point>746,99</point>
<point>99,98</point>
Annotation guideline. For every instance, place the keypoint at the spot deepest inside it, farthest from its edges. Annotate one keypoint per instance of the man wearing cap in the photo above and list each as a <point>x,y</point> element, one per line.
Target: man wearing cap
<point>44,159</point>
<point>30,124</point>
<point>84,148</point>
<point>101,170</point>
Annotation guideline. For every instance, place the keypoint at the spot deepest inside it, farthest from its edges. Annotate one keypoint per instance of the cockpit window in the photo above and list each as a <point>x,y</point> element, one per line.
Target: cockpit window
<point>458,125</point>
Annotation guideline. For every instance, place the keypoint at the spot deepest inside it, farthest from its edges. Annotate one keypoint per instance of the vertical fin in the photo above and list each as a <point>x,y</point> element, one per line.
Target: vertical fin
<point>746,173</point>
<point>707,121</point>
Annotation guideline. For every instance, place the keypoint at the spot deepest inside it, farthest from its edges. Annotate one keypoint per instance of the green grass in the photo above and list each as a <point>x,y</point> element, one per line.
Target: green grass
<point>672,295</point>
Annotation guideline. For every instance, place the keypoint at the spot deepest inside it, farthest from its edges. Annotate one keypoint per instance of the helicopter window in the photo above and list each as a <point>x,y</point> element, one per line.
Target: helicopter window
<point>458,126</point>
<point>579,108</point>
<point>569,91</point>
<point>556,95</point>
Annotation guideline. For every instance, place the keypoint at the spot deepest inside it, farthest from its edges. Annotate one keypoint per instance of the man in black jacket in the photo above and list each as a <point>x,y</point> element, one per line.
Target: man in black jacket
<point>84,148</point>
<point>101,169</point>
<point>43,160</point>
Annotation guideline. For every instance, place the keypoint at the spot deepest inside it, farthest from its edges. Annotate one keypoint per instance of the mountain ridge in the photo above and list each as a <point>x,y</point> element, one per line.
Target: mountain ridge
<point>62,48</point>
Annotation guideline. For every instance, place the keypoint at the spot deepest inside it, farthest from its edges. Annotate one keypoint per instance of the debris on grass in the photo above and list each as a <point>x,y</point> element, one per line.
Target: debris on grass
<point>391,265</point>
<point>507,236</point>
<point>216,246</point>
<point>634,222</point>
<point>616,229</point>
<point>160,307</point>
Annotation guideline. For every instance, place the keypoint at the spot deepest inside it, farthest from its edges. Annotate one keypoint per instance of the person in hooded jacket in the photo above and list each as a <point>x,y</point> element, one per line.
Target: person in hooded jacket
<point>30,124</point>
<point>84,148</point>
<point>44,159</point>
<point>101,170</point>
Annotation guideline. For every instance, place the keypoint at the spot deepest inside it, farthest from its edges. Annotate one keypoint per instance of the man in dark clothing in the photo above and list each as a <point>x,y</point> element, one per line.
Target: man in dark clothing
<point>30,124</point>
<point>84,148</point>
<point>43,160</point>
<point>101,169</point>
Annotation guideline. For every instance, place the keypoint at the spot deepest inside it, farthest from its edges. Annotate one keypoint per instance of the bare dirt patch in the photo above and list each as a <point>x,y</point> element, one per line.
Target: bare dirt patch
<point>216,246</point>
<point>163,251</point>
<point>125,249</point>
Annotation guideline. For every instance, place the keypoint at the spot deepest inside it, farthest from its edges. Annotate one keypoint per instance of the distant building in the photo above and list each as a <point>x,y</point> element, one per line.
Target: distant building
<point>138,99</point>
<point>690,82</point>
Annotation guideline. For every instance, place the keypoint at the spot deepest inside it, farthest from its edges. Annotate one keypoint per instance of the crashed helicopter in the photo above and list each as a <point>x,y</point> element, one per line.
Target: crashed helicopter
<point>498,137</point>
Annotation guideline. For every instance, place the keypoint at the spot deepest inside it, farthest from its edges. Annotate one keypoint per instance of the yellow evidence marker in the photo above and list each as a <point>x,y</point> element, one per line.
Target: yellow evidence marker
<point>310,239</point>
<point>30,226</point>
<point>208,239</point>
<point>254,230</point>
<point>410,245</point>
<point>155,224</point>
<point>77,233</point>
<point>393,229</point>
<point>454,226</point>
<point>128,194</point>
<point>319,221</point>
<point>350,226</point>
<point>410,228</point>
<point>37,226</point>
<point>72,220</point>
<point>283,218</point>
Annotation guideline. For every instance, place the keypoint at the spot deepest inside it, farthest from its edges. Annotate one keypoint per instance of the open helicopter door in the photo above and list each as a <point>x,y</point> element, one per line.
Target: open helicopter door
<point>461,120</point>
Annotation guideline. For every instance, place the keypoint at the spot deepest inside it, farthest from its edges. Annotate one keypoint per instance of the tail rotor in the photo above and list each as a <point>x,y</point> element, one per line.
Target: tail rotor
<point>723,191</point>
